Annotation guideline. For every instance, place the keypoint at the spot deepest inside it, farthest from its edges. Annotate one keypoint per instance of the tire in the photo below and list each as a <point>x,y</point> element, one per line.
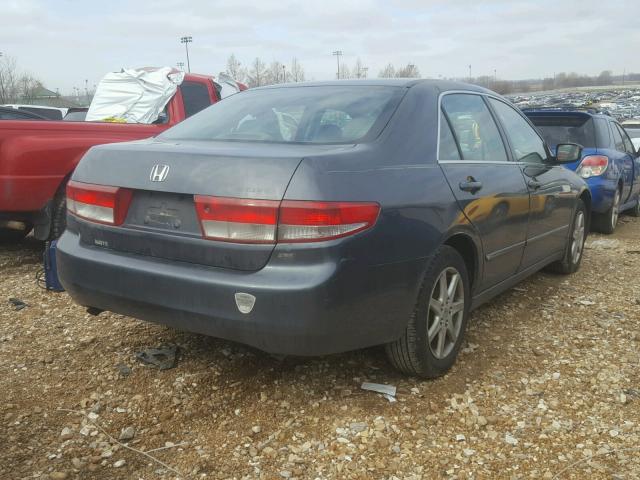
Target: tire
<point>8,235</point>
<point>574,251</point>
<point>412,353</point>
<point>606,222</point>
<point>635,211</point>
<point>58,216</point>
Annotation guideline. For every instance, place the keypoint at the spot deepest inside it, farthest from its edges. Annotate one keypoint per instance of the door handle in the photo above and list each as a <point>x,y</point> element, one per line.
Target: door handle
<point>534,184</point>
<point>471,185</point>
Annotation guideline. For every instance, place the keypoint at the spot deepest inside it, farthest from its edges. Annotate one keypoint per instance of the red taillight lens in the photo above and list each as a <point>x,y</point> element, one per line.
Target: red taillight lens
<point>98,203</point>
<point>268,221</point>
<point>237,219</point>
<point>592,166</point>
<point>303,221</point>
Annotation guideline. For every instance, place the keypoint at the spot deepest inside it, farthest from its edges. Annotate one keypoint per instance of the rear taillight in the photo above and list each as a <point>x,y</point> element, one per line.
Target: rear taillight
<point>269,221</point>
<point>237,219</point>
<point>592,166</point>
<point>98,203</point>
<point>302,221</point>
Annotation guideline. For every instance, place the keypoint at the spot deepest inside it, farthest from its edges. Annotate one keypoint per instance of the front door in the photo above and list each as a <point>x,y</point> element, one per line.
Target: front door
<point>552,198</point>
<point>490,189</point>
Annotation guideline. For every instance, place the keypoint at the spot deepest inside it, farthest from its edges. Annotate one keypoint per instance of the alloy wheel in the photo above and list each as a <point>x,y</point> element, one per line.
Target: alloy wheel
<point>445,313</point>
<point>615,209</point>
<point>577,241</point>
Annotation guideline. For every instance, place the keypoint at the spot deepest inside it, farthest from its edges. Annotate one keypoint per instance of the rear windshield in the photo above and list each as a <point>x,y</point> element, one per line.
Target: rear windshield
<point>570,129</point>
<point>324,114</point>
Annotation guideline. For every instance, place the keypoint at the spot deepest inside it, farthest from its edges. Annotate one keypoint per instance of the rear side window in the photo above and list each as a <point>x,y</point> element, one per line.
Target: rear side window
<point>474,128</point>
<point>557,129</point>
<point>526,144</point>
<point>195,97</point>
<point>628,146</point>
<point>448,150</point>
<point>617,138</point>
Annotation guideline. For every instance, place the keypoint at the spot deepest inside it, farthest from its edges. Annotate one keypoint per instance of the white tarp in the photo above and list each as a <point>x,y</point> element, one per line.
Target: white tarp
<point>134,95</point>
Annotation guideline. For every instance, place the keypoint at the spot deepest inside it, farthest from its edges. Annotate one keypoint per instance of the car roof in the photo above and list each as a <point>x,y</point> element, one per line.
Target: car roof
<point>440,85</point>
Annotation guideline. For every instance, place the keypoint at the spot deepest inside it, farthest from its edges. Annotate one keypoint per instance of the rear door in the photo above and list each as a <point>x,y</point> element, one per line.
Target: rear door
<point>552,199</point>
<point>489,188</point>
<point>628,157</point>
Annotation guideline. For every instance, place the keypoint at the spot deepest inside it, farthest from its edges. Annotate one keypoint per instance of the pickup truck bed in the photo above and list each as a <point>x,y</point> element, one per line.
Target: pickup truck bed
<point>37,158</point>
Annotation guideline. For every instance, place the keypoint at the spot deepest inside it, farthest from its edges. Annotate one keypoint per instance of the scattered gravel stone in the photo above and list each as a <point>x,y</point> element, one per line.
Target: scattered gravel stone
<point>127,433</point>
<point>119,463</point>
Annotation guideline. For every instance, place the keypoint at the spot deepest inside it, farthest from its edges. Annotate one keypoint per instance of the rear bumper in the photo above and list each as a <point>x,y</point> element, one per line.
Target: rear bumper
<point>602,193</point>
<point>302,308</point>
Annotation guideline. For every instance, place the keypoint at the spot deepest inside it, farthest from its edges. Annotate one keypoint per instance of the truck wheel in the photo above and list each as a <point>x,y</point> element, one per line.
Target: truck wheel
<point>606,222</point>
<point>575,246</point>
<point>58,216</point>
<point>430,344</point>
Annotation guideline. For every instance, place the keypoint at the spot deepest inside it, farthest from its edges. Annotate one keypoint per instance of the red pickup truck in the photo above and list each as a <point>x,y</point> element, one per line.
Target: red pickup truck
<point>38,157</point>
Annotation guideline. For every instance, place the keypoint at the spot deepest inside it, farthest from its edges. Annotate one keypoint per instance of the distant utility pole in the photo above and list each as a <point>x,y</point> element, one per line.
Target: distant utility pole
<point>187,41</point>
<point>338,54</point>
<point>469,73</point>
<point>364,72</point>
<point>495,75</point>
<point>180,65</point>
<point>624,74</point>
<point>284,74</point>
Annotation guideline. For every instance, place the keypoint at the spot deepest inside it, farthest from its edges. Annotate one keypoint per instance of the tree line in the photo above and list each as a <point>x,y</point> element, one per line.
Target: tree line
<point>259,73</point>
<point>15,85</point>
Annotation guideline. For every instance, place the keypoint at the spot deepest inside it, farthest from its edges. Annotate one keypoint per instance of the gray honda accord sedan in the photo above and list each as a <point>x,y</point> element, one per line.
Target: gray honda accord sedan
<point>315,218</point>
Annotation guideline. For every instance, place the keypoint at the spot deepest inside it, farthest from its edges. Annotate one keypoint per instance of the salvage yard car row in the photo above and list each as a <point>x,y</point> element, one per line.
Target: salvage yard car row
<point>332,216</point>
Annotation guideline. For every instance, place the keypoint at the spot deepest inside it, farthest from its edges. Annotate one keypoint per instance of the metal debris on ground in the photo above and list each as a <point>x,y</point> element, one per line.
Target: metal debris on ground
<point>163,357</point>
<point>17,303</point>
<point>380,388</point>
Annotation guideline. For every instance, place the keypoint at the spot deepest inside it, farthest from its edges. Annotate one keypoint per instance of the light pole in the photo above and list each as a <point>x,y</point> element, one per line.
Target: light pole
<point>180,65</point>
<point>338,54</point>
<point>284,74</point>
<point>187,41</point>
<point>469,73</point>
<point>364,72</point>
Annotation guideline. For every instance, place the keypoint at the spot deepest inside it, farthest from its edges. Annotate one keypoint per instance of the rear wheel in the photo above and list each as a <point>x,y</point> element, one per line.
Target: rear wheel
<point>606,222</point>
<point>430,344</point>
<point>575,246</point>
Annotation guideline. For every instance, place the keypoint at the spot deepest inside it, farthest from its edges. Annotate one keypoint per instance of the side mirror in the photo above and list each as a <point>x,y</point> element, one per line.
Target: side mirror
<point>568,152</point>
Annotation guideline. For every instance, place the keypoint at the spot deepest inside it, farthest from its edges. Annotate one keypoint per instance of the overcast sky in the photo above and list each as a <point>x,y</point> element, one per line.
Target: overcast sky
<point>64,42</point>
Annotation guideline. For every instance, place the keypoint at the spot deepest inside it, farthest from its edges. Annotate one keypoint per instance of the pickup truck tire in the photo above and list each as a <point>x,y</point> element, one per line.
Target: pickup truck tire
<point>606,222</point>
<point>635,211</point>
<point>8,235</point>
<point>430,344</point>
<point>58,216</point>
<point>573,253</point>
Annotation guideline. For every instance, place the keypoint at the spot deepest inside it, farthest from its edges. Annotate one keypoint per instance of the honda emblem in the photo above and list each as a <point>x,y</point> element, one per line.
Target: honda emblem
<point>159,173</point>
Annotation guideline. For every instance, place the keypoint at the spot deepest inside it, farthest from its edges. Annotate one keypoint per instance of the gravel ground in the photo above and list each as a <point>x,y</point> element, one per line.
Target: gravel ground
<point>547,386</point>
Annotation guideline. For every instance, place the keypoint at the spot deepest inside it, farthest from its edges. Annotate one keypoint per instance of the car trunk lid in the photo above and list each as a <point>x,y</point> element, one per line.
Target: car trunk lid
<point>162,220</point>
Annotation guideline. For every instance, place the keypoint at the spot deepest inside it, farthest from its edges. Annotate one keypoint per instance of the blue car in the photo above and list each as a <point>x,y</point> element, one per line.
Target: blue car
<point>309,219</point>
<point>610,163</point>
